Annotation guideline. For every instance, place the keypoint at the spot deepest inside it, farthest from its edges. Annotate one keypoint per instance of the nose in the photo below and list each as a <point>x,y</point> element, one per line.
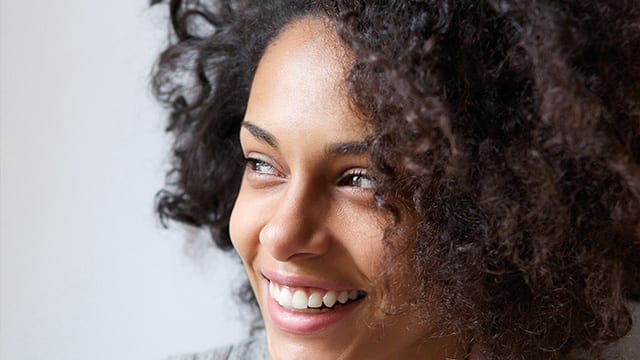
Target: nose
<point>296,229</point>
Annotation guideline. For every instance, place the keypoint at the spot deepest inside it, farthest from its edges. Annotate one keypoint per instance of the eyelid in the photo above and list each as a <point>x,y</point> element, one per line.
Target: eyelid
<point>362,173</point>
<point>255,164</point>
<point>256,159</point>
<point>356,171</point>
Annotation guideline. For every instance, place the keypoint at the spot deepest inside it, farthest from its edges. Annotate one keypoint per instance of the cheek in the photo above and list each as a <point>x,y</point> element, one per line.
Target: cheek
<point>360,231</point>
<point>243,228</point>
<point>388,263</point>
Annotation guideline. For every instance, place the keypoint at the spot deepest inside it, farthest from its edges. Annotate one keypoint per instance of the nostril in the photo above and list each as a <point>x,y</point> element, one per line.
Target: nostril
<point>287,238</point>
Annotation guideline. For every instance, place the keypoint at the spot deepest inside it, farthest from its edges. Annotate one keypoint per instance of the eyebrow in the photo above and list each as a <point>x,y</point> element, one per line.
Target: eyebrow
<point>336,149</point>
<point>347,148</point>
<point>261,134</point>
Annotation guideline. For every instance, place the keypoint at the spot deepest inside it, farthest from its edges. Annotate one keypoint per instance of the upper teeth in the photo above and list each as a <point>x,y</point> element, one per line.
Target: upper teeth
<point>298,298</point>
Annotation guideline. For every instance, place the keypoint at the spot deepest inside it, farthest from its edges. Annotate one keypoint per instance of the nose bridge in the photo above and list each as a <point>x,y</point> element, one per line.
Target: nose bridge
<point>296,228</point>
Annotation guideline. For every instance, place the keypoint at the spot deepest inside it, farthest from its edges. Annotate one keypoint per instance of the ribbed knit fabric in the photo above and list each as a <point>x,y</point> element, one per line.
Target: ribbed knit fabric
<point>251,349</point>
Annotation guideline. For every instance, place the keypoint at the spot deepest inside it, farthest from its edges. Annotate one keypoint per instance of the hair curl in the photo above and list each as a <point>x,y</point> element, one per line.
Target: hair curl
<point>510,129</point>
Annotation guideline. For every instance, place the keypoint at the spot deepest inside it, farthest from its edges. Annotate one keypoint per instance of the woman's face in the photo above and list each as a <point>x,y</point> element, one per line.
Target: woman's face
<point>305,223</point>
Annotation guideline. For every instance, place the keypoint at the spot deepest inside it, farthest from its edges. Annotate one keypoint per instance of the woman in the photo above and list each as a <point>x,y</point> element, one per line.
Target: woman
<point>413,179</point>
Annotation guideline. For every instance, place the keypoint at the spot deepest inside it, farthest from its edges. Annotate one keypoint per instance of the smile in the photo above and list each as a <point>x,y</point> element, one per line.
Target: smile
<point>312,300</point>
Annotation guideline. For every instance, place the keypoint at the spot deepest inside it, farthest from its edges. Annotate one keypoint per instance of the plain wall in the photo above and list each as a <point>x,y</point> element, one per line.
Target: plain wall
<point>86,271</point>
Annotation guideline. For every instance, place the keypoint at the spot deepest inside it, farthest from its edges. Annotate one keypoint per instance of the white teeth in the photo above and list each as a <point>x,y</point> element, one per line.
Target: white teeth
<point>315,300</point>
<point>343,297</point>
<point>285,297</point>
<point>299,300</point>
<point>329,299</point>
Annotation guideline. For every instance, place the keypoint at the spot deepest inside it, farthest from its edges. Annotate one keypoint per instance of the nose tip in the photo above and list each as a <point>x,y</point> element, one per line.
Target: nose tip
<point>293,232</point>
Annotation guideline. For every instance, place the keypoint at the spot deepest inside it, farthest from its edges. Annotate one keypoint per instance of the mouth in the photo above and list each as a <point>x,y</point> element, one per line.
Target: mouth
<point>307,306</point>
<point>312,300</point>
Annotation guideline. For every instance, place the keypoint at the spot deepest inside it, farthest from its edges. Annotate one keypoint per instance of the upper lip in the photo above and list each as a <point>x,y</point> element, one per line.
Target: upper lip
<point>300,281</point>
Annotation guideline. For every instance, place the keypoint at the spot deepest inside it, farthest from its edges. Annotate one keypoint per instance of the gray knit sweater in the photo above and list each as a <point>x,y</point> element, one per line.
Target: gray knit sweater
<point>251,349</point>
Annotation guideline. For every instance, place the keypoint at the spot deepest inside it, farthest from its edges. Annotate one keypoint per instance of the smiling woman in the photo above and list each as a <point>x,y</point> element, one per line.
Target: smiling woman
<point>413,180</point>
<point>305,212</point>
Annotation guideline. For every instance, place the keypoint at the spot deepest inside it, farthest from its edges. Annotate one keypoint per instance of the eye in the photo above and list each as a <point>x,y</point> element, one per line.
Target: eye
<point>261,167</point>
<point>357,179</point>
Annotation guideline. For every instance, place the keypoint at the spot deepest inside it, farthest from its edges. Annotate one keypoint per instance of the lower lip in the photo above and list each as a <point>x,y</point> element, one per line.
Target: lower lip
<point>302,323</point>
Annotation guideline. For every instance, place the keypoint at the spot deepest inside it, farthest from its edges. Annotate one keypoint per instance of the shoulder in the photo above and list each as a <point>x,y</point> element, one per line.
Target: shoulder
<point>254,348</point>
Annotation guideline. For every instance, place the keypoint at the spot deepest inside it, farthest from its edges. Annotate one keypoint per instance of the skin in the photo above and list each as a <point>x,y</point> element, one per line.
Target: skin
<point>306,209</point>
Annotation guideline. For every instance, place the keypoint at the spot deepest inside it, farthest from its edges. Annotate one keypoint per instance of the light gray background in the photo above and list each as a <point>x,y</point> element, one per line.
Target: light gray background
<point>86,272</point>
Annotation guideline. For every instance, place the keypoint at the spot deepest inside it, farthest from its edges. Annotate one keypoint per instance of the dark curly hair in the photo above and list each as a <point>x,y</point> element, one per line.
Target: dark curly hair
<point>510,129</point>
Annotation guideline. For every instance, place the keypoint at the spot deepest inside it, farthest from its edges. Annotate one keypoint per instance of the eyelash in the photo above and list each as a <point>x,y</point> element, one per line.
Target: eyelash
<point>254,165</point>
<point>353,178</point>
<point>356,176</point>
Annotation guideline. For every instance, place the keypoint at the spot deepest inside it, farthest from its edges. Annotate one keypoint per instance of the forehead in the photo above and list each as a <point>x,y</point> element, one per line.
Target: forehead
<point>300,82</point>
